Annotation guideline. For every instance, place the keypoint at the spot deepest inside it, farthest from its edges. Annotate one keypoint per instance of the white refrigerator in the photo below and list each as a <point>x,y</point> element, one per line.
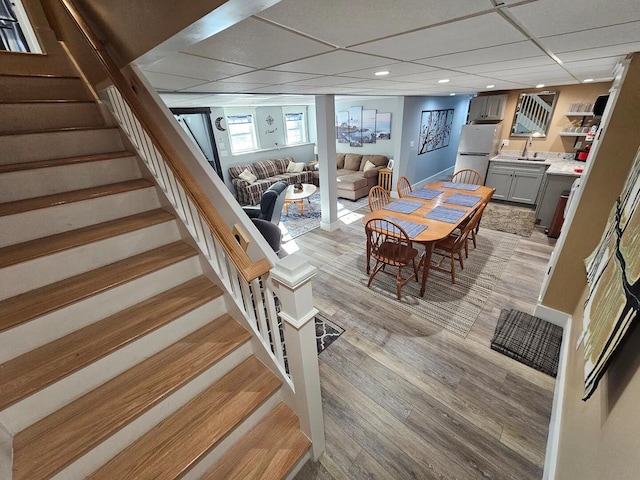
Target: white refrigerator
<point>478,143</point>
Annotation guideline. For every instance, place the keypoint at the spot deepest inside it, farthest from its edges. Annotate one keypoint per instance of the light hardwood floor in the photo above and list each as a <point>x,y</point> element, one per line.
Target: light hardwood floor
<point>405,399</point>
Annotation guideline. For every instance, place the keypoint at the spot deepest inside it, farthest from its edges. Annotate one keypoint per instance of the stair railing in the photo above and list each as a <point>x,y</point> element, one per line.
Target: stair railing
<point>276,303</point>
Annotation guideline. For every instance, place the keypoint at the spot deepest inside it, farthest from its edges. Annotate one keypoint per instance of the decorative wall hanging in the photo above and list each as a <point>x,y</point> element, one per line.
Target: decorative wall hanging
<point>269,120</point>
<point>383,126</point>
<point>613,274</point>
<point>368,130</point>
<point>342,127</point>
<point>355,124</point>
<point>218,123</point>
<point>435,130</point>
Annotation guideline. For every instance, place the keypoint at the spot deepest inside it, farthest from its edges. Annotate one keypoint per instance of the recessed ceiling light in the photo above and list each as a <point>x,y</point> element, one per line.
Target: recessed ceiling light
<point>452,94</point>
<point>540,85</point>
<point>444,80</point>
<point>490,86</point>
<point>587,80</point>
<point>381,73</point>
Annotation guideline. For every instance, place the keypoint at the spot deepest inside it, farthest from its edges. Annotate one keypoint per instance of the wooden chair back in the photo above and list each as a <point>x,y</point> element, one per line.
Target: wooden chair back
<point>404,187</point>
<point>388,242</point>
<point>378,198</point>
<point>468,228</point>
<point>467,175</point>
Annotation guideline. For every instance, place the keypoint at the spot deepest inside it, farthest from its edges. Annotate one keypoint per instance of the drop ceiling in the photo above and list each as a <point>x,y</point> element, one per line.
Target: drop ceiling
<point>301,48</point>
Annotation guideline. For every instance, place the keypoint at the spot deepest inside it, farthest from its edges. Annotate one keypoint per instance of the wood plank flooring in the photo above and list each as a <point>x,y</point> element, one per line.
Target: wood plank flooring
<point>404,398</point>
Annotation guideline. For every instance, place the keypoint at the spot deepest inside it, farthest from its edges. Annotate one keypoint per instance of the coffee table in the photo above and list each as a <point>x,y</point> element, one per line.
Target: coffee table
<point>298,197</point>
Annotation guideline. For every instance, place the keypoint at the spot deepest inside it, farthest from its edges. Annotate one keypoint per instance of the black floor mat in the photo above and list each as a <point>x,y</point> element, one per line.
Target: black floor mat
<point>529,340</point>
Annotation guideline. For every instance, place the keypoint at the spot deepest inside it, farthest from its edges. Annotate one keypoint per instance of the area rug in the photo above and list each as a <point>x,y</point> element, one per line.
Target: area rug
<point>529,340</point>
<point>453,307</point>
<point>326,332</point>
<point>508,218</point>
<point>293,225</point>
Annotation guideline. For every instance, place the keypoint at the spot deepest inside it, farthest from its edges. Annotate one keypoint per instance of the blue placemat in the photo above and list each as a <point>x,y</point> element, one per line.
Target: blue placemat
<point>425,193</point>
<point>461,186</point>
<point>412,229</point>
<point>403,206</point>
<point>462,199</point>
<point>446,214</point>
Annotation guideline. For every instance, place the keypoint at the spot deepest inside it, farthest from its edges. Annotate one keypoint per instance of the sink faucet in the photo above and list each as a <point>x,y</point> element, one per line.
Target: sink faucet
<point>526,143</point>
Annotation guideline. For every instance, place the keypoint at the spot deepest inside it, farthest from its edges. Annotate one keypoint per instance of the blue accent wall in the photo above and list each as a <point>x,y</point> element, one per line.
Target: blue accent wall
<point>421,167</point>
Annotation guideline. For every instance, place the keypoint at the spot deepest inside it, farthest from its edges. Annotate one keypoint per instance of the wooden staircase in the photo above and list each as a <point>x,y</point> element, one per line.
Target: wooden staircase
<point>118,358</point>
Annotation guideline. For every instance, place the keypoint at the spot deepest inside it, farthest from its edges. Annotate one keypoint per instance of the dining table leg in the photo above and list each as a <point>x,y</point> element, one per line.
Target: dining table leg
<point>426,258</point>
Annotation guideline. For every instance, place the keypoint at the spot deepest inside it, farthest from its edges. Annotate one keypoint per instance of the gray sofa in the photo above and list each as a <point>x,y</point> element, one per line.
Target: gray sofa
<point>358,173</point>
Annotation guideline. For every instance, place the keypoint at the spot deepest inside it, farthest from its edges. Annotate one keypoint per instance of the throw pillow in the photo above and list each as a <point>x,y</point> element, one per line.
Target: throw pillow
<point>294,167</point>
<point>368,166</point>
<point>247,176</point>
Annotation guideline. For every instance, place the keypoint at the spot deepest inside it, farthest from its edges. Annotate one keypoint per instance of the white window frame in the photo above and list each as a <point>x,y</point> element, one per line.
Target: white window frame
<point>296,110</point>
<point>230,127</point>
<point>26,27</point>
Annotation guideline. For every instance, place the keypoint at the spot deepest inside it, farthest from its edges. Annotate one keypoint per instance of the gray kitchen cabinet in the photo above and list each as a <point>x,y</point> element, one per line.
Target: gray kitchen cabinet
<point>487,107</point>
<point>515,182</point>
<point>552,187</point>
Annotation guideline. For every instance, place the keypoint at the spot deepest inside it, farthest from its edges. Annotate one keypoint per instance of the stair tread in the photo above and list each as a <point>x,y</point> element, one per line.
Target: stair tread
<point>58,162</point>
<point>177,443</point>
<point>58,129</point>
<point>29,305</point>
<point>268,451</point>
<point>54,442</point>
<point>29,373</point>
<point>21,252</point>
<point>21,206</point>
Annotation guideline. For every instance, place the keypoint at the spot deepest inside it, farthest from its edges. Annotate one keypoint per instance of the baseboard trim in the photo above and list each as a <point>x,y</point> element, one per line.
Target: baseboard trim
<point>553,438</point>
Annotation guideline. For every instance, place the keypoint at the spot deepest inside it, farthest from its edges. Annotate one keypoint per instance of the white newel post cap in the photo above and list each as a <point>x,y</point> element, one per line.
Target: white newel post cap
<point>292,276</point>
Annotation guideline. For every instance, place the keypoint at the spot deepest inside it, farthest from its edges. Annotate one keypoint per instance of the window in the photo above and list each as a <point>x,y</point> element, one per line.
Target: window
<point>294,126</point>
<point>242,133</point>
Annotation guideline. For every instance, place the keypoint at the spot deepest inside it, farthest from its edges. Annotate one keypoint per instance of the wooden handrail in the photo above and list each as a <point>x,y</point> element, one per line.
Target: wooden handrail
<point>249,269</point>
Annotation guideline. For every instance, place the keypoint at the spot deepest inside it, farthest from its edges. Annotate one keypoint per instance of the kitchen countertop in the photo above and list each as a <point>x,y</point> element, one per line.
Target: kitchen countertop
<point>557,165</point>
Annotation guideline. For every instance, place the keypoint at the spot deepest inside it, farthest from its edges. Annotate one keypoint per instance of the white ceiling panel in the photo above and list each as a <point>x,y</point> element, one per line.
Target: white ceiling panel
<point>394,69</point>
<point>162,81</point>
<point>509,65</point>
<point>327,81</point>
<point>479,56</point>
<point>482,31</point>
<point>552,17</point>
<point>269,77</point>
<point>382,84</point>
<point>429,77</point>
<point>197,67</point>
<point>224,87</point>
<point>600,52</point>
<point>344,23</point>
<point>338,61</point>
<point>257,44</point>
<point>599,37</point>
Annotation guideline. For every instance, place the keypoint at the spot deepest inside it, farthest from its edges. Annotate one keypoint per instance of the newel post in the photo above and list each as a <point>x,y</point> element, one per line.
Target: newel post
<point>292,282</point>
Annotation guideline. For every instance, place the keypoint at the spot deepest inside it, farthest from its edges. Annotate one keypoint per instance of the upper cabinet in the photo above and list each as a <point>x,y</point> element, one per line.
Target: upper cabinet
<point>487,108</point>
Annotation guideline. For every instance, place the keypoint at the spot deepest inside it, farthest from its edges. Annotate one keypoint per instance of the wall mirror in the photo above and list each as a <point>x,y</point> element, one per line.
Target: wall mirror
<point>533,114</point>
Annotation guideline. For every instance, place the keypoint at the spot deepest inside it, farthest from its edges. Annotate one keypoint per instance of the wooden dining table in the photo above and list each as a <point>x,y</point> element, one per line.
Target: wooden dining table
<point>436,230</point>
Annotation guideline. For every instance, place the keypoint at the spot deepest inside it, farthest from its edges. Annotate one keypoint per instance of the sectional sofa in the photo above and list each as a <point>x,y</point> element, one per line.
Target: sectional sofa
<point>358,173</point>
<point>267,172</point>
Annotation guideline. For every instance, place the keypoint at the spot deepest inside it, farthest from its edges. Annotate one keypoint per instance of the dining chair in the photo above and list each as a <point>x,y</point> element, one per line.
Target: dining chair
<point>453,245</point>
<point>378,198</point>
<point>467,175</point>
<point>389,245</point>
<point>475,229</point>
<point>404,187</point>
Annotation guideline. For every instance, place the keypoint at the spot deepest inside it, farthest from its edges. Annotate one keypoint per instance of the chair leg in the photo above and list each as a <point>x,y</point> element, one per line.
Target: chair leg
<point>473,238</point>
<point>376,269</point>
<point>399,282</point>
<point>453,269</point>
<point>466,248</point>
<point>460,259</point>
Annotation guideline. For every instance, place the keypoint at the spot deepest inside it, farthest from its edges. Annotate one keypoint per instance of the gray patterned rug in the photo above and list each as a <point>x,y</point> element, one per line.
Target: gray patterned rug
<point>452,307</point>
<point>508,218</point>
<point>529,340</point>
<point>327,332</point>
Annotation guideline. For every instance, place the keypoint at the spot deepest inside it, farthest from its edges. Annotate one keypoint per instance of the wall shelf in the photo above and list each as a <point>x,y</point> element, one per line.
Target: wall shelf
<point>579,114</point>
<point>572,134</point>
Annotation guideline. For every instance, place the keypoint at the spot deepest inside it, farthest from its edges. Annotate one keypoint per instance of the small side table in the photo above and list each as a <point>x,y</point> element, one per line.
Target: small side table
<point>384,178</point>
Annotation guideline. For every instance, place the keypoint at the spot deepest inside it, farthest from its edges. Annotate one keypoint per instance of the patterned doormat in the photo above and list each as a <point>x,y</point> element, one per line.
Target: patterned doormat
<point>529,340</point>
<point>326,332</point>
<point>508,218</point>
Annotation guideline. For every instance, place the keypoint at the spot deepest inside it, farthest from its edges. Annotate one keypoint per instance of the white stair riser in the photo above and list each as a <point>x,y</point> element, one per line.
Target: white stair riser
<point>47,181</point>
<point>62,218</point>
<point>6,453</point>
<point>25,276</point>
<point>28,117</point>
<point>31,147</point>
<point>37,406</point>
<point>247,424</point>
<point>59,323</point>
<point>42,88</point>
<point>129,434</point>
